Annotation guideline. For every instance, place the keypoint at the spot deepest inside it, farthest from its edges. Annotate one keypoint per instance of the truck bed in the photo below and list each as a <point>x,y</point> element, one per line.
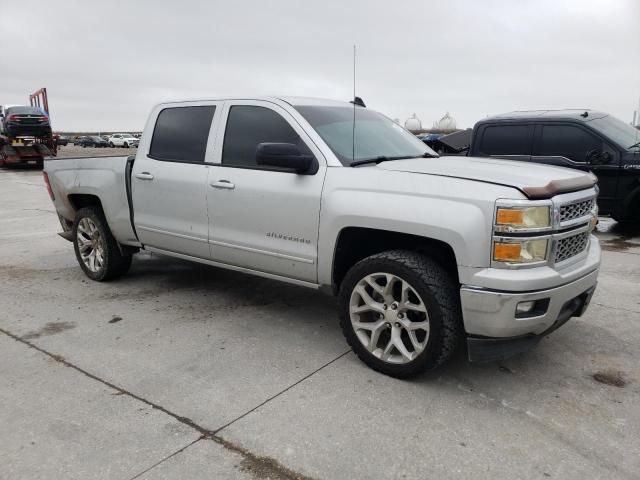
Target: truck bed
<point>80,180</point>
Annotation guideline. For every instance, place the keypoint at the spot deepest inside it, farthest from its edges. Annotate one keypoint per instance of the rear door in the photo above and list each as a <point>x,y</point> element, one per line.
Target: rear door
<point>574,146</point>
<point>262,218</point>
<point>169,180</point>
<point>506,140</point>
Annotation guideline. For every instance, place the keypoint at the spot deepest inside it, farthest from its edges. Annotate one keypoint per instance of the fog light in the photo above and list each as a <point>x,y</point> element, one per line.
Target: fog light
<point>525,307</point>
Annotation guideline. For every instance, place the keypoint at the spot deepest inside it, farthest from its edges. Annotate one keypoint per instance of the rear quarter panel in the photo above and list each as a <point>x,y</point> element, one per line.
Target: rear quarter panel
<point>103,177</point>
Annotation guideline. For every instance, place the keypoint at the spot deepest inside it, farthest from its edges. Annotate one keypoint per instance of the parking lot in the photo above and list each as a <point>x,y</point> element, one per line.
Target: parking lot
<point>180,370</point>
<point>71,150</point>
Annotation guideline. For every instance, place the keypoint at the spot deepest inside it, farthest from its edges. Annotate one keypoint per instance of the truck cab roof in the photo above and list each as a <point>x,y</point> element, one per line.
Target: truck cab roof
<point>579,114</point>
<point>291,100</point>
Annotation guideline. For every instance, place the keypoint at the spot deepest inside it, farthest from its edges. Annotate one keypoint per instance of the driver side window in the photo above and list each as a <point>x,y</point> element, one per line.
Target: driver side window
<point>247,127</point>
<point>569,141</point>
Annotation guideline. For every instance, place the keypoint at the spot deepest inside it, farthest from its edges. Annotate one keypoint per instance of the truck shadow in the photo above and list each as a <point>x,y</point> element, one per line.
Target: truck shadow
<point>229,290</point>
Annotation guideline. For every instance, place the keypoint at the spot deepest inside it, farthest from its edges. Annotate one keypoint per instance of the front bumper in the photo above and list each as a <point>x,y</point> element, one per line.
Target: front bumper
<point>483,349</point>
<point>490,313</point>
<point>496,332</point>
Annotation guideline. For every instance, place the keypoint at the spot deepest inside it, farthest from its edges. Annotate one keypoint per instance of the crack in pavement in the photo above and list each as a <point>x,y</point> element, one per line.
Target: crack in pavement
<point>281,392</point>
<point>258,466</point>
<point>164,459</point>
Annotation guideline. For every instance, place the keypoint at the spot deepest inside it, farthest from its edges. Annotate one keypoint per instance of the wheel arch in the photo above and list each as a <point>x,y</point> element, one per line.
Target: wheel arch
<point>370,241</point>
<point>82,200</point>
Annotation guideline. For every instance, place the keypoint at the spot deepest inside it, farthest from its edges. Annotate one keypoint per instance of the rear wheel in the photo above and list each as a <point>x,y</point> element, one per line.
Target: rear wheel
<point>96,250</point>
<point>400,313</point>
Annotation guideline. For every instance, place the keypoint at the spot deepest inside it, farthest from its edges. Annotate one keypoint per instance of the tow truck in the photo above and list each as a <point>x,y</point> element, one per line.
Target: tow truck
<point>28,149</point>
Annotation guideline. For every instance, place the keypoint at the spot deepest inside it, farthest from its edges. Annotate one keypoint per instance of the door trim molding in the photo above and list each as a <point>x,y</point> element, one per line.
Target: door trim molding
<point>164,232</point>
<point>227,266</point>
<point>263,252</point>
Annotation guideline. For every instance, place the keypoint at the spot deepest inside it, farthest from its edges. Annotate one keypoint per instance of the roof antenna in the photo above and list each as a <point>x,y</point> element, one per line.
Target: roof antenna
<point>353,132</point>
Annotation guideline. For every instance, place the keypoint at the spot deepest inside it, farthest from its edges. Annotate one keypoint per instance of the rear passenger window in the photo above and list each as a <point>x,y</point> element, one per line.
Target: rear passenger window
<point>506,140</point>
<point>181,134</point>
<point>247,127</point>
<point>567,141</point>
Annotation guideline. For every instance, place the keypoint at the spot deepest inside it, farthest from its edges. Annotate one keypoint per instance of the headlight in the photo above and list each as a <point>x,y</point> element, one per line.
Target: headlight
<point>523,218</point>
<point>520,251</point>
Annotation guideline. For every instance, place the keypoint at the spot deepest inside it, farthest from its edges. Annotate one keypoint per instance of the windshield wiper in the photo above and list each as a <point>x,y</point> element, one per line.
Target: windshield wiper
<point>384,158</point>
<point>635,145</point>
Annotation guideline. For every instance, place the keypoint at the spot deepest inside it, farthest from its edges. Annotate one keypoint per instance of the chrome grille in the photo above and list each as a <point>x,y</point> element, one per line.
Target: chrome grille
<point>571,246</point>
<point>576,210</point>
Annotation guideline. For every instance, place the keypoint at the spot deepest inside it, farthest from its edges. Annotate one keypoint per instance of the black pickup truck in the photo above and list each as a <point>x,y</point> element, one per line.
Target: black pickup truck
<point>585,140</point>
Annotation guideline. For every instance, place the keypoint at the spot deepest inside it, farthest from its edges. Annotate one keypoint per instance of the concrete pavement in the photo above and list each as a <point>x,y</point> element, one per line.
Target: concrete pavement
<point>185,371</point>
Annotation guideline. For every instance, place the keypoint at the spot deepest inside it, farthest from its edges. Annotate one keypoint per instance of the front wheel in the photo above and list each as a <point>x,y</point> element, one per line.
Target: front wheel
<point>400,313</point>
<point>111,145</point>
<point>96,249</point>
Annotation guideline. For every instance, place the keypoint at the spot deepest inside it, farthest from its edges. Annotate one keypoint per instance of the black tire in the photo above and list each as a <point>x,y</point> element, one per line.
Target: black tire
<point>439,293</point>
<point>126,145</point>
<point>112,145</point>
<point>631,215</point>
<point>115,264</point>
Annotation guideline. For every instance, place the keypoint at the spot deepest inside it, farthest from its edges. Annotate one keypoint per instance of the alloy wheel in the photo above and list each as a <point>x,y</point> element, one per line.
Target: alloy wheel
<point>90,244</point>
<point>389,318</point>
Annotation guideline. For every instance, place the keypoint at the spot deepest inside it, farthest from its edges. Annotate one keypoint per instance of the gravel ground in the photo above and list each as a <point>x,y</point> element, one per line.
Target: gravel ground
<point>184,371</point>
<point>78,151</point>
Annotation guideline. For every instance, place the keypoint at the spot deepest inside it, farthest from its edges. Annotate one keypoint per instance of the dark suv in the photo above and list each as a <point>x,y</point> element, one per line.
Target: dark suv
<point>586,140</point>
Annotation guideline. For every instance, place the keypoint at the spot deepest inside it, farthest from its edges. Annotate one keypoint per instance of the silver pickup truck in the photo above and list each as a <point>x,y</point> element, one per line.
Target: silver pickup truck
<point>423,252</point>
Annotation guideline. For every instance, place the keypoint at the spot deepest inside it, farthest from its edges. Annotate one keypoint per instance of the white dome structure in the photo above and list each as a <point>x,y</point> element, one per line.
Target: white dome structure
<point>445,123</point>
<point>413,123</point>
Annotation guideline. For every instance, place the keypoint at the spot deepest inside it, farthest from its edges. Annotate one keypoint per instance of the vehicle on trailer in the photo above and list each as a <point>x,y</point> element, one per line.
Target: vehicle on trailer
<point>581,139</point>
<point>61,140</point>
<point>26,135</point>
<point>125,140</point>
<point>92,141</point>
<point>26,121</point>
<point>423,252</point>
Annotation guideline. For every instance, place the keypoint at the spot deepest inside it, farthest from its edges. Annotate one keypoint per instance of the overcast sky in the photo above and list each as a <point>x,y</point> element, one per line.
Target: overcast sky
<point>106,63</point>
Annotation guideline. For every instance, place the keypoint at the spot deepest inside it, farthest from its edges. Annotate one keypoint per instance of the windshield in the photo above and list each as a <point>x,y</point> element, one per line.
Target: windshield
<point>97,139</point>
<point>375,135</point>
<point>618,131</point>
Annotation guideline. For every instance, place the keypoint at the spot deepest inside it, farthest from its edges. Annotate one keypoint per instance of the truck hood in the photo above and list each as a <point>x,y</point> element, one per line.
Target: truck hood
<point>534,180</point>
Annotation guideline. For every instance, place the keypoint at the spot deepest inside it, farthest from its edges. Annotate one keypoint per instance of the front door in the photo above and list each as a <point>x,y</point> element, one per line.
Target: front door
<point>169,182</point>
<point>574,146</point>
<point>263,219</point>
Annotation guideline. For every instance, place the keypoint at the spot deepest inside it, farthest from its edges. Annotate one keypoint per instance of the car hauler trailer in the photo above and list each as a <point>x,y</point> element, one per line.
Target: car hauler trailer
<point>24,147</point>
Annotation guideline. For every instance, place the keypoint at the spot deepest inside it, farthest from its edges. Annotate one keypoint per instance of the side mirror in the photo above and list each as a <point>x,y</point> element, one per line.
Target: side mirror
<point>598,157</point>
<point>287,156</point>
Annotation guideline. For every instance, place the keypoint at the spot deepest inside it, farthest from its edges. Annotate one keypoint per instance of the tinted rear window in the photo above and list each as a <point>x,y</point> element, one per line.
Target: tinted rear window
<point>181,134</point>
<point>506,140</point>
<point>24,111</point>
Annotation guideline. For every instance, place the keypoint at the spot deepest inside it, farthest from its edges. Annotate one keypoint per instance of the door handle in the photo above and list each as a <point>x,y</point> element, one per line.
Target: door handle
<point>144,176</point>
<point>226,184</point>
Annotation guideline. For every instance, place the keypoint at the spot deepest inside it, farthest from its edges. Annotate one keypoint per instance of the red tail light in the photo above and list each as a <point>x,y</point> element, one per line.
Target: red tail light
<point>12,118</point>
<point>48,185</point>
<point>43,119</point>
